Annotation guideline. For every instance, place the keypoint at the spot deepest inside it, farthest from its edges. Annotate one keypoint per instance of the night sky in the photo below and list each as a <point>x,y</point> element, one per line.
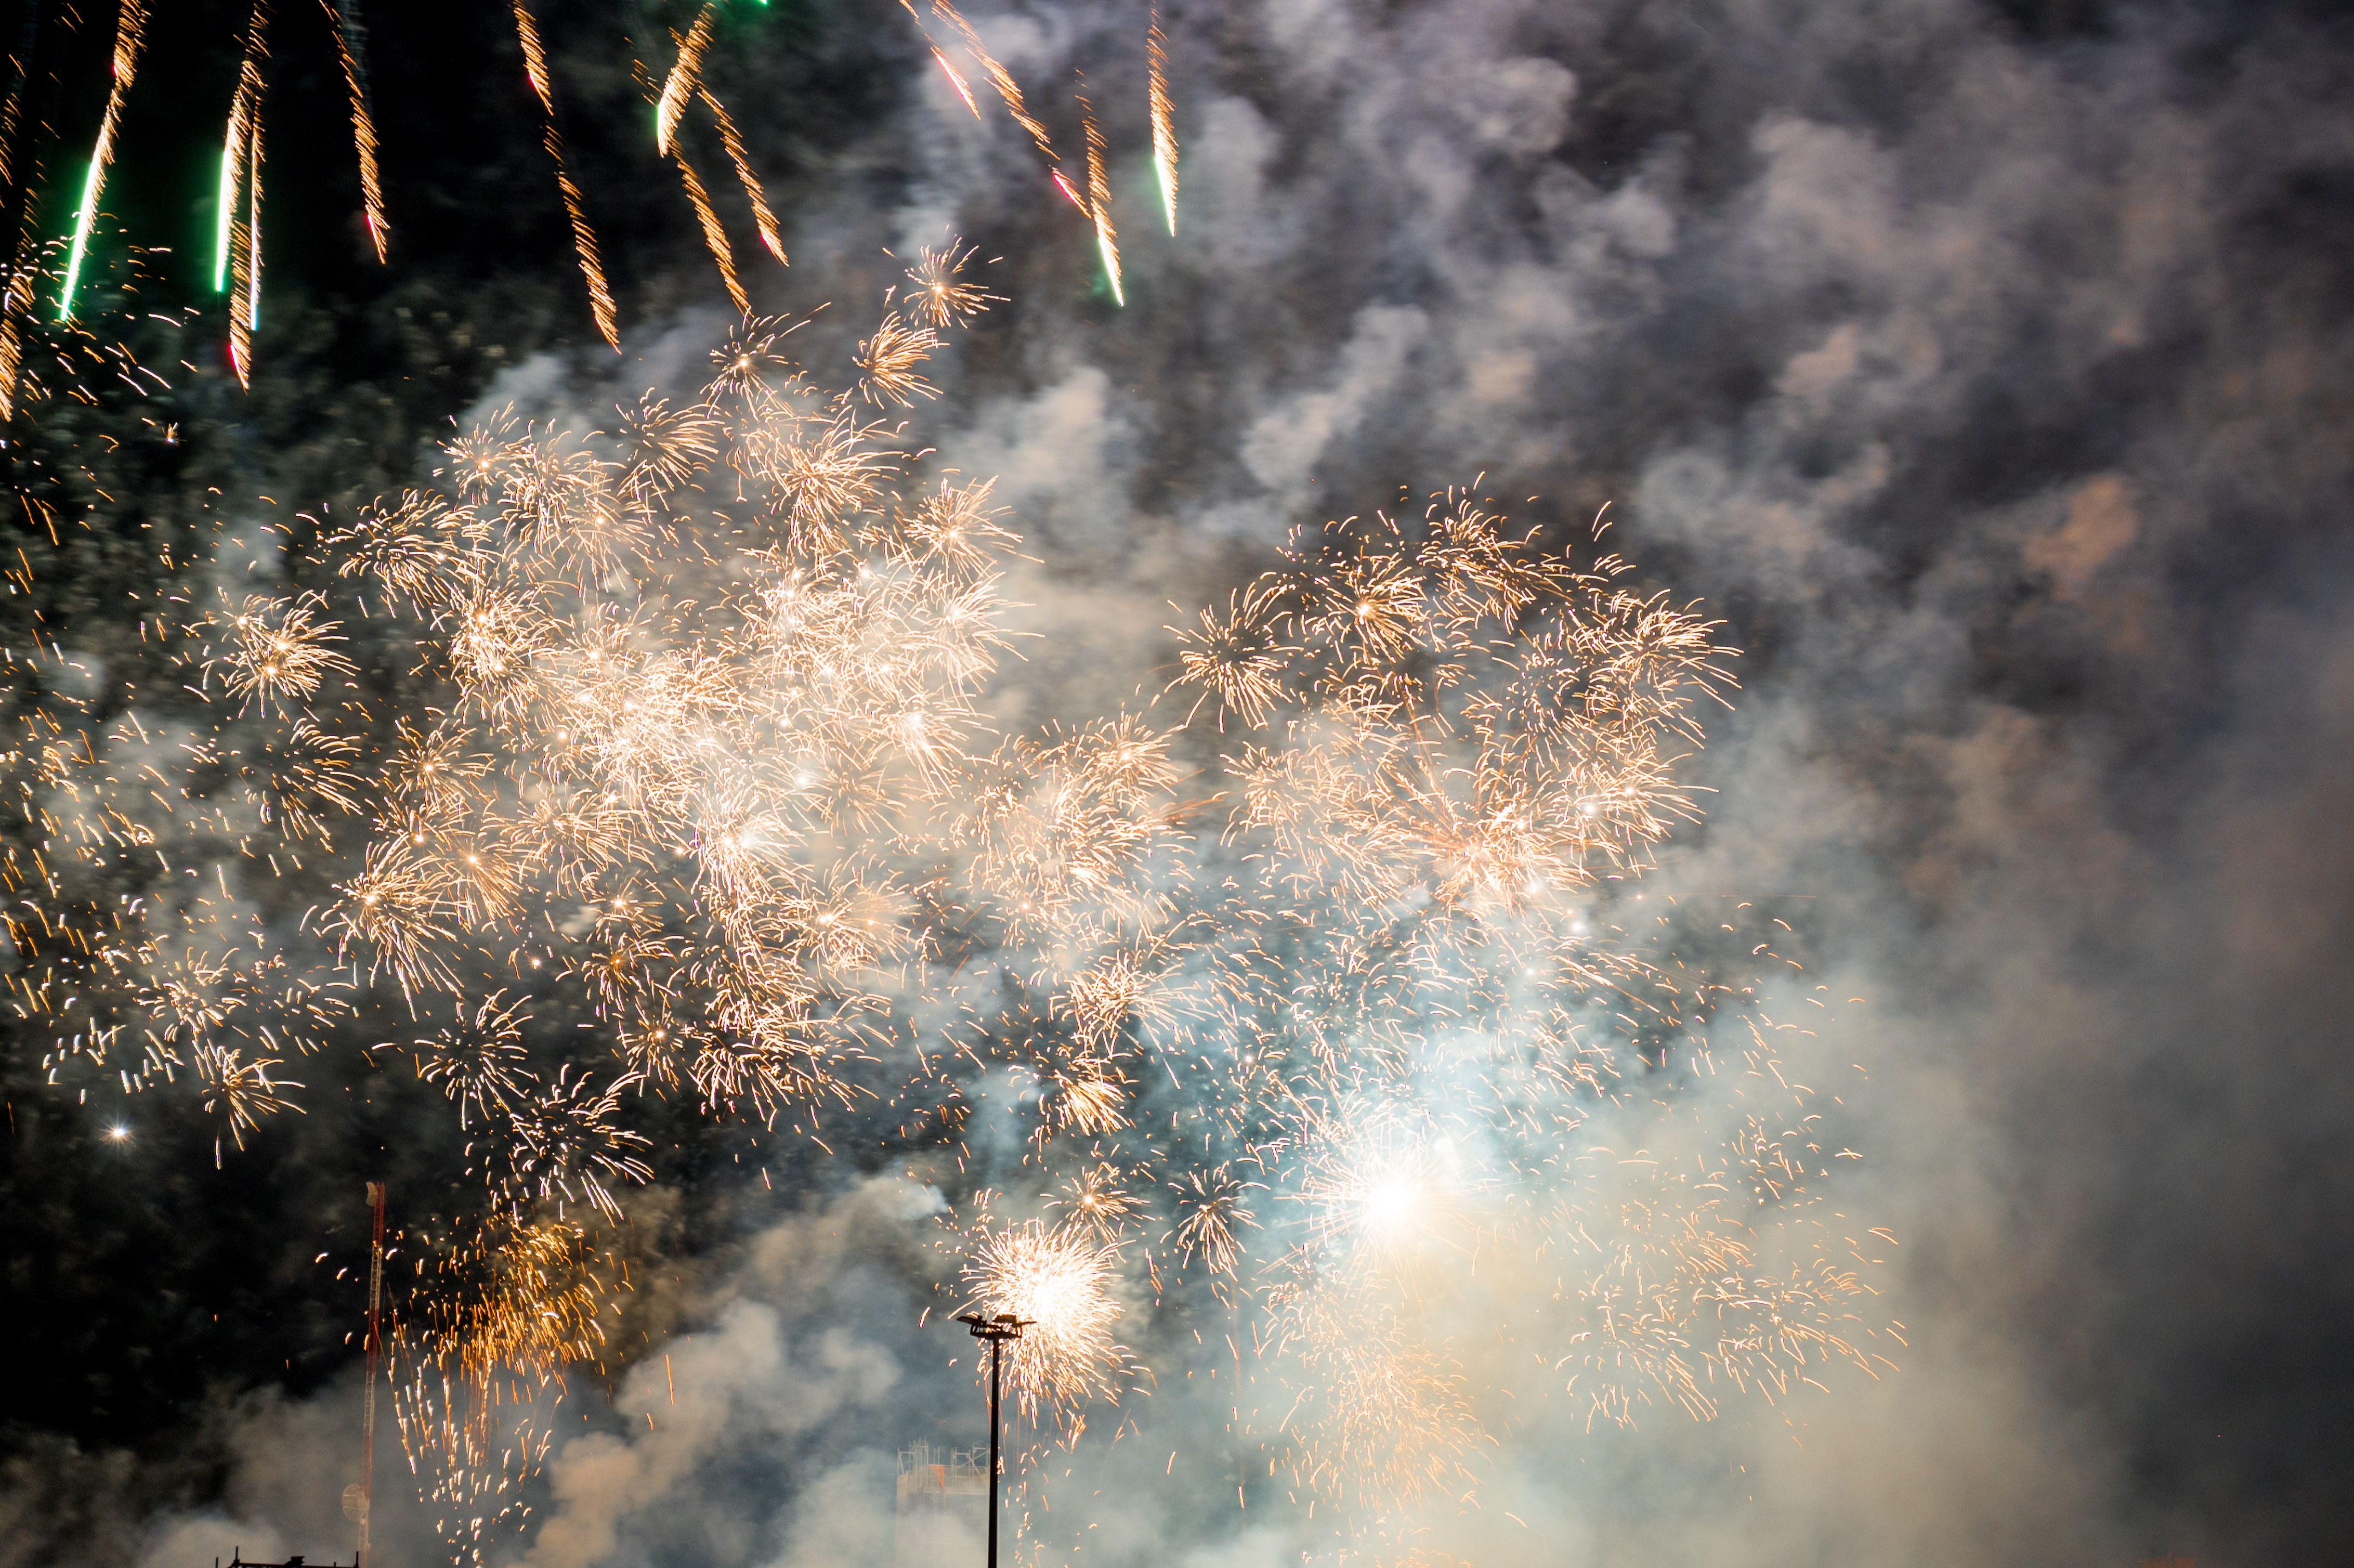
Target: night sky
<point>1987,369</point>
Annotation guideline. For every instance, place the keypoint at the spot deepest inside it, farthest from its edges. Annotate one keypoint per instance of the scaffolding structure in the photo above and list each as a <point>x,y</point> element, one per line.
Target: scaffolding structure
<point>943,1505</point>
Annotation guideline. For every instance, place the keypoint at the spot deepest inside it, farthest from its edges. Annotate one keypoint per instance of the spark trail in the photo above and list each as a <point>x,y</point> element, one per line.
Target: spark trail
<point>240,229</point>
<point>584,236</point>
<point>350,52</point>
<point>130,39</point>
<point>1164,133</point>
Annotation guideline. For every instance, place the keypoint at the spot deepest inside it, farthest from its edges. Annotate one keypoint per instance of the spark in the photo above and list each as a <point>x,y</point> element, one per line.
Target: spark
<point>891,358</point>
<point>956,80</point>
<point>942,295</point>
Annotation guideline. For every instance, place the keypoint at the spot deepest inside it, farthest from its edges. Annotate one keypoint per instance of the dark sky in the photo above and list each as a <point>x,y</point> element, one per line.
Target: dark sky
<point>1985,366</point>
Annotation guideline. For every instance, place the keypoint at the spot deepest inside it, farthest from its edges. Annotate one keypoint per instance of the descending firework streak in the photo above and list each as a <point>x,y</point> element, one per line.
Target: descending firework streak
<point>1100,198</point>
<point>1164,133</point>
<point>684,72</point>
<point>584,236</point>
<point>130,39</point>
<point>1095,199</point>
<point>351,50</point>
<point>238,267</point>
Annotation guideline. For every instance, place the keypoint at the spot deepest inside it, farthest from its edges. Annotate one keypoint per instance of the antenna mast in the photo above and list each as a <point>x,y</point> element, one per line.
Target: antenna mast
<point>356,1500</point>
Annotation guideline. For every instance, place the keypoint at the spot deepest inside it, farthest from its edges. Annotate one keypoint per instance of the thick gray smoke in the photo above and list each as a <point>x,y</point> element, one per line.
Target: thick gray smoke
<point>1986,368</point>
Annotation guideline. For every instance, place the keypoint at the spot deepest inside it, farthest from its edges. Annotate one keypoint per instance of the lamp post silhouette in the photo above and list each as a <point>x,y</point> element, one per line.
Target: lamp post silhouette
<point>995,1331</point>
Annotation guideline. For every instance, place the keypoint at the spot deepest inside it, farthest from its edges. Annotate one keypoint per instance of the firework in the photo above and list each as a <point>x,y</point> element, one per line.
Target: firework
<point>501,1312</point>
<point>1213,1212</point>
<point>1377,1418</point>
<point>956,80</point>
<point>159,787</point>
<point>280,651</point>
<point>1061,1284</point>
<point>240,1092</point>
<point>351,50</point>
<point>1009,91</point>
<point>1385,1044</point>
<point>715,237</point>
<point>732,782</point>
<point>1095,1203</point>
<point>1164,133</point>
<point>1319,978</point>
<point>891,360</point>
<point>1098,204</point>
<point>764,220</point>
<point>583,238</point>
<point>237,244</point>
<point>1095,202</point>
<point>1381,1195</point>
<point>90,358</point>
<point>129,36</point>
<point>681,83</point>
<point>941,296</point>
<point>240,270</point>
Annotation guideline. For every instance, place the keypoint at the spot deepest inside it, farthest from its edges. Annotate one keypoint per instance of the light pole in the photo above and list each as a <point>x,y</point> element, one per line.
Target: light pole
<point>996,1330</point>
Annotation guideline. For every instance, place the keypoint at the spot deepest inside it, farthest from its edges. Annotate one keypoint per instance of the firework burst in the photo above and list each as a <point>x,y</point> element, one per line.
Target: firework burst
<point>1318,979</point>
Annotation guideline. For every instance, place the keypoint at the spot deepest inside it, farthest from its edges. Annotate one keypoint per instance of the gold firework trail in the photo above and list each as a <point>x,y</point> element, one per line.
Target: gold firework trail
<point>583,238</point>
<point>681,83</point>
<point>351,50</point>
<point>762,217</point>
<point>17,287</point>
<point>715,237</point>
<point>707,220</point>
